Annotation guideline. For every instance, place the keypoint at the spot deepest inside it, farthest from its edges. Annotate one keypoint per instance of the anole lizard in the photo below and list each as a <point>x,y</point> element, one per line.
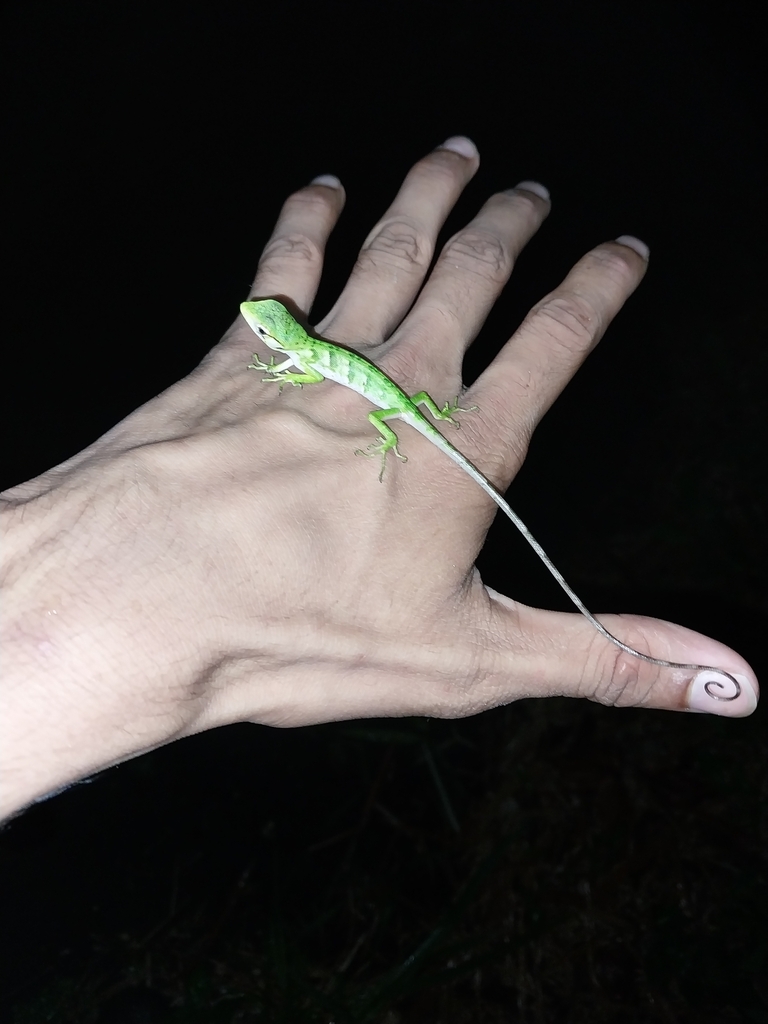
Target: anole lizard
<point>315,360</point>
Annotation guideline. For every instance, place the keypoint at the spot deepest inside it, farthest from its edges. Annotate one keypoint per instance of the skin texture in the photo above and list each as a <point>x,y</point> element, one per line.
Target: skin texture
<point>220,555</point>
<point>309,360</point>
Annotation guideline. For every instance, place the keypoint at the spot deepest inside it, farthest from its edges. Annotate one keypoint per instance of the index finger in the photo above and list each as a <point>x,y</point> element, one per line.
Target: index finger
<point>550,345</point>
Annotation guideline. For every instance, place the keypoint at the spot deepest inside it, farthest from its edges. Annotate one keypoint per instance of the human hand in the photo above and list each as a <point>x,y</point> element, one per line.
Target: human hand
<point>221,556</point>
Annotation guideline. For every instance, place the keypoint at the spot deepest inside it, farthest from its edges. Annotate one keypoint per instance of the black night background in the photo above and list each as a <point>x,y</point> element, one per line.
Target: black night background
<point>549,861</point>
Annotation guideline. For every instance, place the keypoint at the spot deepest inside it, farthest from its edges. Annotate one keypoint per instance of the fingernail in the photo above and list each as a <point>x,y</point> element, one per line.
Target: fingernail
<point>460,144</point>
<point>330,180</point>
<point>634,243</point>
<point>531,186</point>
<point>713,693</point>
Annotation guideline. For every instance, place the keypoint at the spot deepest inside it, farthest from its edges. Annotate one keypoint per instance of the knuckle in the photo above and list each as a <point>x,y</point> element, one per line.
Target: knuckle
<point>521,201</point>
<point>441,168</point>
<point>479,252</point>
<point>309,201</point>
<point>623,680</point>
<point>611,264</point>
<point>396,243</point>
<point>569,320</point>
<point>294,248</point>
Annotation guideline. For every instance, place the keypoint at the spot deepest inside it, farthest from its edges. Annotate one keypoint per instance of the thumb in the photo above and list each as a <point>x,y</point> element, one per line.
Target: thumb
<point>573,659</point>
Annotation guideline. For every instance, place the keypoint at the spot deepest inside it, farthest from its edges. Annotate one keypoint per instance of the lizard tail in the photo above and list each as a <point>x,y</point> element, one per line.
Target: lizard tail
<point>463,463</point>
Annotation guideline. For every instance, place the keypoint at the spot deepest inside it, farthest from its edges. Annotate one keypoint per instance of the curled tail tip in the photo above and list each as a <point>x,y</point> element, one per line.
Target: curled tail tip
<point>718,692</point>
<point>725,681</point>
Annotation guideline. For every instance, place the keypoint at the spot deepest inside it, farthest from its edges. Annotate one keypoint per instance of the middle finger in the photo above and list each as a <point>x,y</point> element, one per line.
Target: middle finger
<point>396,255</point>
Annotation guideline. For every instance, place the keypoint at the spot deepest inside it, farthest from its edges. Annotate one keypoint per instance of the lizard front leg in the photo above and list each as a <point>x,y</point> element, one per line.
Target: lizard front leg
<point>271,366</point>
<point>282,376</point>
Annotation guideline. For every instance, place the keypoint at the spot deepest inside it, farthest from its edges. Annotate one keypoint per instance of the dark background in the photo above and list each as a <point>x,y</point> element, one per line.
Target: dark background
<point>548,861</point>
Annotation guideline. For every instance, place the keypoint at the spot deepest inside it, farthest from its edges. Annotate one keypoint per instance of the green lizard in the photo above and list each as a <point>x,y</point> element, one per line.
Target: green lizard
<point>315,360</point>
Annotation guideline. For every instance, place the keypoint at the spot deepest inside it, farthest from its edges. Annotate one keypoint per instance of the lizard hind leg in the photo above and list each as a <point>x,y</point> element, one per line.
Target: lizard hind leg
<point>446,413</point>
<point>387,441</point>
<point>283,376</point>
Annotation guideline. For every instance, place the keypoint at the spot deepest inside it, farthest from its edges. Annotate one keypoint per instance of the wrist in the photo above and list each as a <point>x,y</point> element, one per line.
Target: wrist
<point>90,675</point>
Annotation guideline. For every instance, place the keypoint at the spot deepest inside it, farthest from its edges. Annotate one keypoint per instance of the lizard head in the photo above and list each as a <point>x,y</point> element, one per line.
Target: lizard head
<point>271,321</point>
